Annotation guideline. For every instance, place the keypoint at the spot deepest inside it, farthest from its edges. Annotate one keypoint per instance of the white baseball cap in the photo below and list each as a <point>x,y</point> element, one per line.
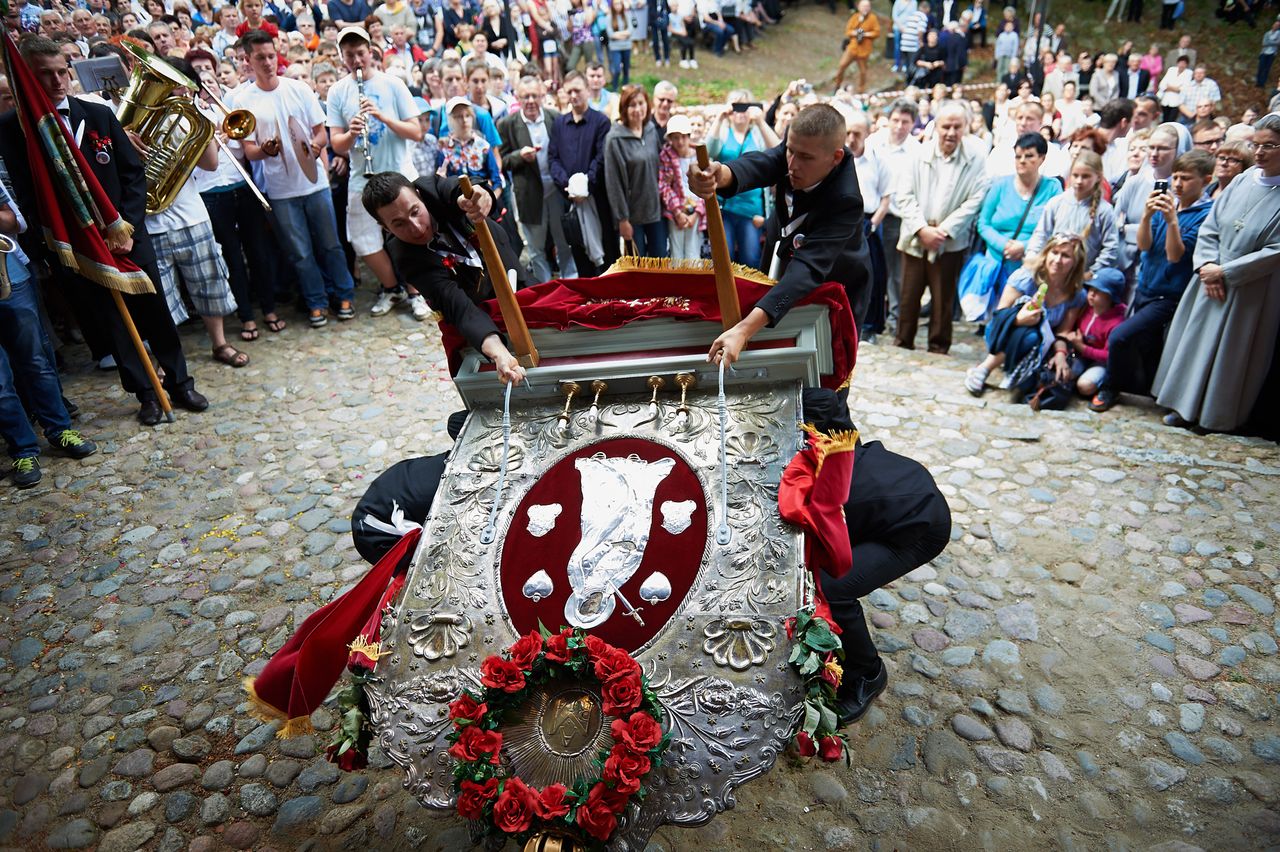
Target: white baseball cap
<point>679,124</point>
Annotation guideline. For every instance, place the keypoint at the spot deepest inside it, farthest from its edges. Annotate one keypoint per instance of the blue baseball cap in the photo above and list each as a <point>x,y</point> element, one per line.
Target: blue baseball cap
<point>1109,281</point>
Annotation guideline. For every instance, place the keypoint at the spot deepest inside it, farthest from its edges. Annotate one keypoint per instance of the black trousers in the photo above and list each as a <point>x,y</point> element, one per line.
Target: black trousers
<point>151,316</point>
<point>240,227</point>
<point>898,521</point>
<point>874,320</point>
<point>1135,345</point>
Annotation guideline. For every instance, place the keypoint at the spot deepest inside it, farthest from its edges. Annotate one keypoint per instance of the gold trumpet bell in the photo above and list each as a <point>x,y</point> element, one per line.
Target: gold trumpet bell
<point>239,124</point>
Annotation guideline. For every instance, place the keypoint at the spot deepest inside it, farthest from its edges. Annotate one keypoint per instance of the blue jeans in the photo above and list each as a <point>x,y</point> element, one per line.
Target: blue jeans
<point>651,239</point>
<point>25,349</point>
<point>309,231</point>
<point>722,33</point>
<point>620,67</point>
<point>743,238</point>
<point>660,37</point>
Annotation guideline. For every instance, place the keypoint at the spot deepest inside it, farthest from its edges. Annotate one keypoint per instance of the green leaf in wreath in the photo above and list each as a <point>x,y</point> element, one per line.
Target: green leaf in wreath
<point>811,718</point>
<point>811,664</point>
<point>829,722</point>
<point>820,637</point>
<point>542,629</point>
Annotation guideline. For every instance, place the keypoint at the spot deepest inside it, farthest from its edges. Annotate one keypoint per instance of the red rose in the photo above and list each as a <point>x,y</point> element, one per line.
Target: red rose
<point>830,748</point>
<point>473,797</point>
<point>640,733</point>
<point>552,804</point>
<point>596,647</point>
<point>791,627</point>
<point>467,711</point>
<point>498,673</point>
<point>558,648</point>
<point>597,814</point>
<point>515,808</point>
<point>351,760</point>
<point>805,745</point>
<point>625,769</point>
<point>832,672</point>
<point>526,650</point>
<point>475,743</point>
<point>622,695</point>
<point>615,664</point>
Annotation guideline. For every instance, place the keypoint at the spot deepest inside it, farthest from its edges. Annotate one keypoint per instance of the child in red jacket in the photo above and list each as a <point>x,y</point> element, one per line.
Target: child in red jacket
<point>1089,339</point>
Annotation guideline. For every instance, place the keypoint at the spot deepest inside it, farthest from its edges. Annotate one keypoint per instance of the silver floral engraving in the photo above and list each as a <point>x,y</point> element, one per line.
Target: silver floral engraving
<point>677,515</point>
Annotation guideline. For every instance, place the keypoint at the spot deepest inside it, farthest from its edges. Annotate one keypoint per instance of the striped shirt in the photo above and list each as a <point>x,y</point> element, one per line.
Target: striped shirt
<point>913,30</point>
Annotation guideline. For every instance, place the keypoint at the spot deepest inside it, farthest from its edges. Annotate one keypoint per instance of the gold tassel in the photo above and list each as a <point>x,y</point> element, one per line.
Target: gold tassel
<point>842,441</point>
<point>630,263</point>
<point>372,650</point>
<point>261,709</point>
<point>847,383</point>
<point>296,727</point>
<point>117,234</point>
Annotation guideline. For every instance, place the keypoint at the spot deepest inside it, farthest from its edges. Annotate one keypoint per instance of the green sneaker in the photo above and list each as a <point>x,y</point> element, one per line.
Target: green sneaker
<point>69,442</point>
<point>26,472</point>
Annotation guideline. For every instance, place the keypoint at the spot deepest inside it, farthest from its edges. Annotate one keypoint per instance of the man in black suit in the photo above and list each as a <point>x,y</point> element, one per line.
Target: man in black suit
<point>817,221</point>
<point>430,222</point>
<point>896,517</point>
<point>114,161</point>
<point>1134,81</point>
<point>527,136</point>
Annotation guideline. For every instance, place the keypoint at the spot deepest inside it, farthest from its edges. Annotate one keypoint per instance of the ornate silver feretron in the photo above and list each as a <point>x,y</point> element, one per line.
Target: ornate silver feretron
<point>609,522</point>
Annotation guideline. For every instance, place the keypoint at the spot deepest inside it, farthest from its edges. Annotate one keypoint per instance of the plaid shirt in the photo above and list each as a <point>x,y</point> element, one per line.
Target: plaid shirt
<point>1206,90</point>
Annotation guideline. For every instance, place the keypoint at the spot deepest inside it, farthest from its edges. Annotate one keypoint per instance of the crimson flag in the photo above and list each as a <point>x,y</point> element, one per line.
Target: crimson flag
<point>80,222</point>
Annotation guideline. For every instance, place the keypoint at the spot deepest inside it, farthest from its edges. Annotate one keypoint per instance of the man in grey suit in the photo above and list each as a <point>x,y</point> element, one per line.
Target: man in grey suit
<point>526,139</point>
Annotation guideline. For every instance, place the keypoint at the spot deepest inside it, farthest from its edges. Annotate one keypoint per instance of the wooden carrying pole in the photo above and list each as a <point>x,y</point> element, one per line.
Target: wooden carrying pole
<point>726,287</point>
<point>143,356</point>
<point>512,316</point>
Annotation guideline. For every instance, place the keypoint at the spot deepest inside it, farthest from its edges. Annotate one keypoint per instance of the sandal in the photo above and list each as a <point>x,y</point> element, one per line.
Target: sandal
<point>235,358</point>
<point>276,325</point>
<point>247,333</point>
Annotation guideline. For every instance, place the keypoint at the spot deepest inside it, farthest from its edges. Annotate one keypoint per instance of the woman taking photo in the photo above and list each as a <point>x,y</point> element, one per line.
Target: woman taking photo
<point>1006,222</point>
<point>1167,142</point>
<point>1038,303</point>
<point>1221,345</point>
<point>631,174</point>
<point>744,213</point>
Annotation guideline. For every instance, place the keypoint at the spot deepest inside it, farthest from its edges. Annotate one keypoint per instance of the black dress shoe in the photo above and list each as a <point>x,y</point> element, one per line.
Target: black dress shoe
<point>854,697</point>
<point>149,414</point>
<point>190,399</point>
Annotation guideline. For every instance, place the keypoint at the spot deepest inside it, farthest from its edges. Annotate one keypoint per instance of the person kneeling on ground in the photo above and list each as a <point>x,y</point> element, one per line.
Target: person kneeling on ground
<point>1084,348</point>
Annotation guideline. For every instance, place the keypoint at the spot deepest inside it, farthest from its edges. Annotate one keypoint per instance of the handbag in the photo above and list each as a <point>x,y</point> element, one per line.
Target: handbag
<point>572,227</point>
<point>981,273</point>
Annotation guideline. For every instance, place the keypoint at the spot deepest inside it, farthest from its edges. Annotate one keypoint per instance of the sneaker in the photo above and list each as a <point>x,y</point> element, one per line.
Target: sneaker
<point>386,299</point>
<point>418,305</point>
<point>693,63</point>
<point>684,63</point>
<point>345,311</point>
<point>975,380</point>
<point>1104,400</point>
<point>26,472</point>
<point>71,443</point>
<point>318,318</point>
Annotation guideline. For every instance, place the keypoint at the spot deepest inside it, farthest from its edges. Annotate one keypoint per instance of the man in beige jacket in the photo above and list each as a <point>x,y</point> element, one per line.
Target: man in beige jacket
<point>938,197</point>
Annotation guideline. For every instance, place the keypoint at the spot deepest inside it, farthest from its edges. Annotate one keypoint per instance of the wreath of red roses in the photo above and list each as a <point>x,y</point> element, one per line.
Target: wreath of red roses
<point>504,805</point>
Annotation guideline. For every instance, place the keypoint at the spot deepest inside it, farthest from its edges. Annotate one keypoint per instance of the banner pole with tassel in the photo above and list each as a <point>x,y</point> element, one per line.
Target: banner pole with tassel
<point>127,318</point>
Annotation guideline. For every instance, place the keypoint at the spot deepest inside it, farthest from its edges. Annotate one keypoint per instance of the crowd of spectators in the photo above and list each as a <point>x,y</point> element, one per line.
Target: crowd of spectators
<point>1058,208</point>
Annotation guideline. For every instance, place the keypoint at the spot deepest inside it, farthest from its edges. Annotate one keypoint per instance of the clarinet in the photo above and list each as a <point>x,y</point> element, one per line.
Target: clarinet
<point>364,134</point>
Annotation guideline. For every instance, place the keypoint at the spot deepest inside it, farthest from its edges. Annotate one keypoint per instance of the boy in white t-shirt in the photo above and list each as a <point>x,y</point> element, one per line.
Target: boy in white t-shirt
<point>386,119</point>
<point>289,141</point>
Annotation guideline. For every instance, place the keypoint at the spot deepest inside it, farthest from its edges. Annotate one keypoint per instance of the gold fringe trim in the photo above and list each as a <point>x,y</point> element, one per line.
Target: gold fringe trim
<point>843,441</point>
<point>847,383</point>
<point>631,263</point>
<point>266,712</point>
<point>130,283</point>
<point>372,650</point>
<point>117,234</point>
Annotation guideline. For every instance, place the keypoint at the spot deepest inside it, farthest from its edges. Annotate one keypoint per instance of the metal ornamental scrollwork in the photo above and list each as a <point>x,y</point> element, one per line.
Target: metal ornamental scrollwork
<point>718,665</point>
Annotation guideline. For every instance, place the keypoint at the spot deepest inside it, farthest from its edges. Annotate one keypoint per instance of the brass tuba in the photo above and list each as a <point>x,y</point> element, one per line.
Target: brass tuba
<point>169,125</point>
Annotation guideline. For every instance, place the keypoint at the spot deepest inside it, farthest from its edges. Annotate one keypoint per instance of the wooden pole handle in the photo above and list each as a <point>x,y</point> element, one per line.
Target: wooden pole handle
<point>143,355</point>
<point>512,316</point>
<point>726,287</point>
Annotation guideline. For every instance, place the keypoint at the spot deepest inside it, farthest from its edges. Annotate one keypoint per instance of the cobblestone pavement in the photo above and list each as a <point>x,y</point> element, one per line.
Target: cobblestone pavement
<point>1091,664</point>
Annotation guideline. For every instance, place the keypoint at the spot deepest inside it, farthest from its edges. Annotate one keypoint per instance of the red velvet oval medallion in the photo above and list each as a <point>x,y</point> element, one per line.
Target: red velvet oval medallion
<point>639,547</point>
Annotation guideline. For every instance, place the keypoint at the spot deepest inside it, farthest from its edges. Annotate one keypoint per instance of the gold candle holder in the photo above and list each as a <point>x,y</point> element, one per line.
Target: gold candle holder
<point>684,381</point>
<point>598,387</point>
<point>570,390</point>
<point>657,383</point>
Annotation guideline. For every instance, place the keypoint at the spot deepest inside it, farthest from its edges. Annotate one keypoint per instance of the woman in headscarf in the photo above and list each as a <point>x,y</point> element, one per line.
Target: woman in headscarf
<point>1166,143</point>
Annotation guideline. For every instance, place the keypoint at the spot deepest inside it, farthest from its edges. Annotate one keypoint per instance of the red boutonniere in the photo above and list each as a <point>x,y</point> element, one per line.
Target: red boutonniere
<point>101,146</point>
<point>449,261</point>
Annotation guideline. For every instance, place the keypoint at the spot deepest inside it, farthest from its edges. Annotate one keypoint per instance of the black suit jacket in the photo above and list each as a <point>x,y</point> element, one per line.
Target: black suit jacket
<point>1014,80</point>
<point>456,293</point>
<point>827,246</point>
<point>122,177</point>
<point>528,181</point>
<point>1144,81</point>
